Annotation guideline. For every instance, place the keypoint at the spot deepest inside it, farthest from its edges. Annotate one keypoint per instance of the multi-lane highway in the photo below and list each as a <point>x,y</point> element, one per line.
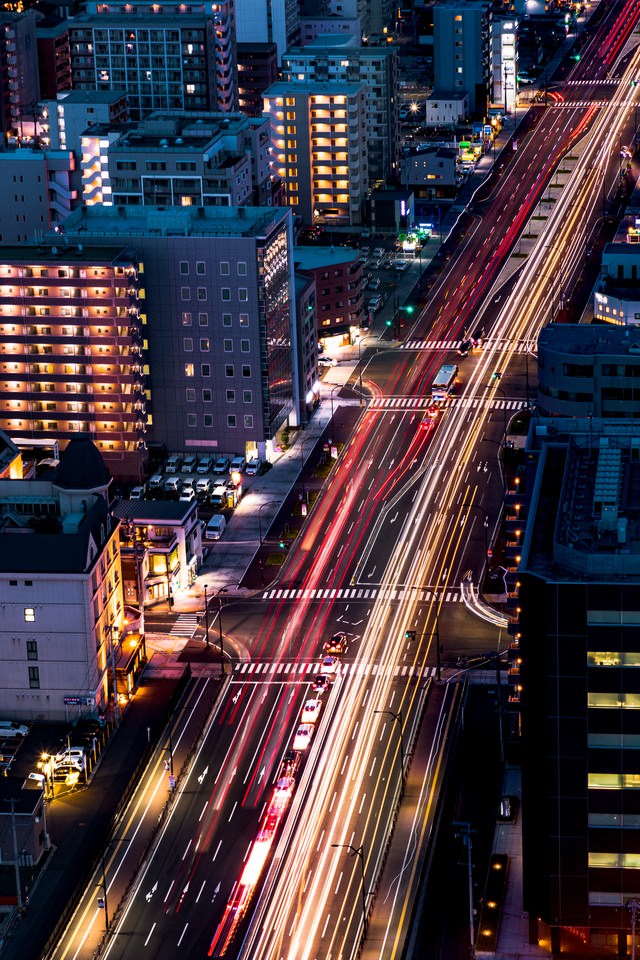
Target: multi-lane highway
<point>242,866</point>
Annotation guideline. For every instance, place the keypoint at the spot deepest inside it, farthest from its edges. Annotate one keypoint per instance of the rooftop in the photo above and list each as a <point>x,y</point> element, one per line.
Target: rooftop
<point>329,88</point>
<point>152,511</point>
<point>312,257</point>
<point>584,339</point>
<point>129,222</point>
<point>57,250</point>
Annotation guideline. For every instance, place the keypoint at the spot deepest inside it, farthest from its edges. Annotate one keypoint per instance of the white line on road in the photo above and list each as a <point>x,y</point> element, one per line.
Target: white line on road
<point>146,943</point>
<point>183,933</point>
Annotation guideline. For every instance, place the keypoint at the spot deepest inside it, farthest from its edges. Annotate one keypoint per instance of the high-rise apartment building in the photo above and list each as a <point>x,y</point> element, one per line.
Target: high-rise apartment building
<point>19,76</point>
<point>54,59</point>
<point>578,631</point>
<point>73,348</point>
<point>320,148</point>
<point>164,57</point>
<point>257,70</point>
<point>268,21</point>
<point>462,49</point>
<point>333,59</point>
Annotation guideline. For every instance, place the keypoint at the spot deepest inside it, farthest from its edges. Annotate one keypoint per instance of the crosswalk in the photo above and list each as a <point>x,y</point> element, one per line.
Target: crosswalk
<point>308,669</point>
<point>361,593</point>
<point>523,346</point>
<point>461,403</point>
<point>185,625</point>
<point>607,82</point>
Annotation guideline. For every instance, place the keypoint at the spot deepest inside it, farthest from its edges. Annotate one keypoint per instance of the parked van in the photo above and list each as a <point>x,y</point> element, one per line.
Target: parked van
<point>173,463</point>
<point>156,482</point>
<point>215,528</point>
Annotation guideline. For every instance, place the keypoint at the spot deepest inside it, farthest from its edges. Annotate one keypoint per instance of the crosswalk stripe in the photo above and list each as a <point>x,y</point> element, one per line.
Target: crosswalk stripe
<point>301,670</point>
<point>363,593</point>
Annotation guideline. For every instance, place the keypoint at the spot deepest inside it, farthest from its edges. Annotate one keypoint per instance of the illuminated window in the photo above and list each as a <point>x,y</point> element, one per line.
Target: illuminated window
<point>189,370</point>
<point>628,701</point>
<point>627,861</point>
<point>29,615</point>
<point>614,781</point>
<point>205,344</point>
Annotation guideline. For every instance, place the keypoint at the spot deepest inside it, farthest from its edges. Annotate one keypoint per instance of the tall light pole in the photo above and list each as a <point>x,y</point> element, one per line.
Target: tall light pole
<point>358,852</point>
<point>218,595</point>
<point>398,718</point>
<point>206,616</point>
<point>107,847</point>
<point>338,386</point>
<point>113,628</point>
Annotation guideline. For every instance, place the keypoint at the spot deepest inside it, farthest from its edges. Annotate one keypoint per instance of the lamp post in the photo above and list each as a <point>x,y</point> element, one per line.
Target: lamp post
<point>358,852</point>
<point>218,595</point>
<point>46,765</point>
<point>113,628</point>
<point>398,718</point>
<point>269,503</point>
<point>206,616</point>
<point>107,847</point>
<point>338,386</point>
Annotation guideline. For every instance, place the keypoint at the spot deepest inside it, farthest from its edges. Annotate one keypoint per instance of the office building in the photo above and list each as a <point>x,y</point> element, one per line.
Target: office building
<point>72,344</point>
<point>578,631</point>
<point>334,59</point>
<point>320,148</point>
<point>462,47</point>
<point>19,76</point>
<point>60,590</point>
<point>164,58</point>
<point>504,62</point>
<point>41,188</point>
<point>177,159</point>
<point>616,298</point>
<point>589,370</point>
<point>54,59</point>
<point>257,70</point>
<point>222,331</point>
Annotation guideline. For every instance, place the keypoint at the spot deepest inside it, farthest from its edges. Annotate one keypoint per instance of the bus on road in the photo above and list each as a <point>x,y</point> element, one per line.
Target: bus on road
<point>444,382</point>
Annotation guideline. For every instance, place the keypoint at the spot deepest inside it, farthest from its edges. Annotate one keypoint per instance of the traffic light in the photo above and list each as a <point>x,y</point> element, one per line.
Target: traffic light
<point>496,375</point>
<point>410,634</point>
<point>389,323</point>
<point>409,308</point>
<point>283,544</point>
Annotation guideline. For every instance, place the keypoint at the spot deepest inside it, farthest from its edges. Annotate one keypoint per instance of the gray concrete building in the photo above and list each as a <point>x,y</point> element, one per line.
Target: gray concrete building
<point>221,323</point>
<point>41,188</point>
<point>462,49</point>
<point>589,371</point>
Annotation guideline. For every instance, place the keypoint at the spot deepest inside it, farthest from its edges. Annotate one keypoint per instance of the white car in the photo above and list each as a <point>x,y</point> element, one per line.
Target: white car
<point>203,485</point>
<point>204,465</point>
<point>303,736</point>
<point>137,493</point>
<point>329,667</point>
<point>188,494</point>
<point>253,466</point>
<point>237,465</point>
<point>10,728</point>
<point>327,362</point>
<point>311,711</point>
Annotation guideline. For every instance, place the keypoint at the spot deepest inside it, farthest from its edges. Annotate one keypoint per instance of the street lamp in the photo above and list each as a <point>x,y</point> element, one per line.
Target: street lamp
<point>107,847</point>
<point>206,616</point>
<point>338,386</point>
<point>269,503</point>
<point>358,852</point>
<point>46,765</point>
<point>398,718</point>
<point>113,628</point>
<point>218,595</point>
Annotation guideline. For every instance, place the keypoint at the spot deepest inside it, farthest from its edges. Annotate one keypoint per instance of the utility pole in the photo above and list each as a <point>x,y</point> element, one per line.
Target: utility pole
<point>16,862</point>
<point>206,616</point>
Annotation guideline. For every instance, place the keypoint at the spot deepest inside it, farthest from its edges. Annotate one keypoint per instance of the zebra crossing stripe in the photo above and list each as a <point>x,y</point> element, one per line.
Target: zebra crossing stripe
<point>258,668</point>
<point>360,593</point>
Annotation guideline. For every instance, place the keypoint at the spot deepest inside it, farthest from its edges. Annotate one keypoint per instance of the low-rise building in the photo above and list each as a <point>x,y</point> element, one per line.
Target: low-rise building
<point>338,276</point>
<point>446,108</point>
<point>60,590</point>
<point>41,188</point>
<point>431,173</point>
<point>161,548</point>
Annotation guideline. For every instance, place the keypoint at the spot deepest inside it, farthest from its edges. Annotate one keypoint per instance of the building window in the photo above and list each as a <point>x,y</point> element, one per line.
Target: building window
<point>231,420</point>
<point>243,293</point>
<point>202,293</point>
<point>225,293</point>
<point>231,396</point>
<point>242,268</point>
<point>207,395</point>
<point>189,370</point>
<point>246,370</point>
<point>32,649</point>
<point>185,293</point>
<point>29,614</point>
<point>244,319</point>
<point>192,420</point>
<point>201,268</point>
<point>203,319</point>
<point>208,420</point>
<point>247,396</point>
<point>226,319</point>
<point>186,319</point>
<point>205,344</point>
<point>34,678</point>
<point>205,370</point>
<point>184,268</point>
<point>248,421</point>
<point>224,268</point>
<point>228,370</point>
<point>191,395</point>
<point>245,347</point>
<point>187,344</point>
<point>228,346</point>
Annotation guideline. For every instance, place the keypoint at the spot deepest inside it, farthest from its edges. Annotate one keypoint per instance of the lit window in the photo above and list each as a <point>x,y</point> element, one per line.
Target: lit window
<point>29,615</point>
<point>189,370</point>
<point>205,345</point>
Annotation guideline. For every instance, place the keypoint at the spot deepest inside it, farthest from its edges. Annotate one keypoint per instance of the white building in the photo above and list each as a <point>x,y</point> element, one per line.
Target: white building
<point>617,295</point>
<point>504,62</point>
<point>60,590</point>
<point>446,108</point>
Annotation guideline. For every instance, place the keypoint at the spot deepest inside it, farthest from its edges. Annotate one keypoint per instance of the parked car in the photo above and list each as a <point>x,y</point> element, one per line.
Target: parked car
<point>215,528</point>
<point>173,464</point>
<point>327,362</point>
<point>137,493</point>
<point>189,464</point>
<point>203,486</point>
<point>237,465</point>
<point>187,495</point>
<point>375,303</point>
<point>221,465</point>
<point>172,485</point>
<point>156,483</point>
<point>254,466</point>
<point>374,283</point>
<point>204,465</point>
<point>10,728</point>
<point>218,496</point>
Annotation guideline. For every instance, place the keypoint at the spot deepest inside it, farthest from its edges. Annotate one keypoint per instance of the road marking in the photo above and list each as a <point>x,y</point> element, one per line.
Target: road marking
<point>146,943</point>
